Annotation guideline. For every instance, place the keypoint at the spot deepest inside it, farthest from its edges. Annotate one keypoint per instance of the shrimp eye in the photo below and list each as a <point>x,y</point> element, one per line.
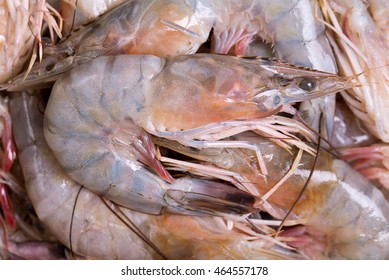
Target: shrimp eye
<point>307,85</point>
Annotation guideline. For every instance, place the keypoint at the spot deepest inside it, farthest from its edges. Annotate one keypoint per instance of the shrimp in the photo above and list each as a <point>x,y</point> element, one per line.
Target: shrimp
<point>163,28</point>
<point>97,129</point>
<point>342,215</point>
<point>361,48</point>
<point>96,232</point>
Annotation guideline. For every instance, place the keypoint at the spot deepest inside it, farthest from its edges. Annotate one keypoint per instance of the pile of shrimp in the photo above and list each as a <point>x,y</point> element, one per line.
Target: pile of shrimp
<point>194,129</point>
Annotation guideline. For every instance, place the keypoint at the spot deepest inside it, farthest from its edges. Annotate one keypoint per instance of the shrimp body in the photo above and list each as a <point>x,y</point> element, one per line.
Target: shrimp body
<point>94,231</point>
<point>93,123</point>
<point>344,215</point>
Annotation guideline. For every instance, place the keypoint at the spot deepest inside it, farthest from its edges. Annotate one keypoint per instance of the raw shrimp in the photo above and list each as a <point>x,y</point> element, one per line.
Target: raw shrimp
<point>163,28</point>
<point>361,48</point>
<point>20,24</point>
<point>96,232</point>
<point>344,215</point>
<point>93,123</point>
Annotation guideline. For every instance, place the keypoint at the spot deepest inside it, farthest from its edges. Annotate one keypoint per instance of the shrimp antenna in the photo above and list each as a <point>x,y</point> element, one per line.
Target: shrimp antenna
<point>304,187</point>
<point>358,83</point>
<point>72,219</point>
<point>127,221</point>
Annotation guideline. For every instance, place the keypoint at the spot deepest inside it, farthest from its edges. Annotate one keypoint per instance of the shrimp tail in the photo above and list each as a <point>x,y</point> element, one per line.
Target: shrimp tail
<point>195,196</point>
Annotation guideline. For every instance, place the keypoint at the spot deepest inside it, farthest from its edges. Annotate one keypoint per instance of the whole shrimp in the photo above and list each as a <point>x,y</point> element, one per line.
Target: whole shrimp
<point>95,124</point>
<point>342,215</point>
<point>163,28</point>
<point>95,231</point>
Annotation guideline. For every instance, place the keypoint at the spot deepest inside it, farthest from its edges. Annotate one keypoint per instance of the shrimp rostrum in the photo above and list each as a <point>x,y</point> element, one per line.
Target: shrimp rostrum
<point>98,125</point>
